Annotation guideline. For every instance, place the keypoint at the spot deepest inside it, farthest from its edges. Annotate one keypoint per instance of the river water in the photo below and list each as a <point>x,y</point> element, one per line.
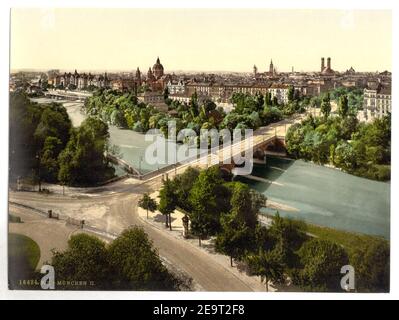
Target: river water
<point>315,194</point>
<point>324,196</point>
<point>131,144</point>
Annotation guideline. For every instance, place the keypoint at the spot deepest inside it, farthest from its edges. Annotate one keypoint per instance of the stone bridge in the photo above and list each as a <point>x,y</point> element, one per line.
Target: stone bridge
<point>274,145</point>
<point>67,95</point>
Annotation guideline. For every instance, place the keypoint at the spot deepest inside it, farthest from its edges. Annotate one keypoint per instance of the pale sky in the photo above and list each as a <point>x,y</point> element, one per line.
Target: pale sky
<point>199,39</point>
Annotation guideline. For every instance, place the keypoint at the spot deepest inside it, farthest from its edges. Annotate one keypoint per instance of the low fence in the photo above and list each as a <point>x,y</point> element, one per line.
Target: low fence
<point>81,224</point>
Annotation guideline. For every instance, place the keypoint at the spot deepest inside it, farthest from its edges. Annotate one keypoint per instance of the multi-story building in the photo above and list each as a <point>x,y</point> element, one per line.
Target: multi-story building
<point>155,99</point>
<point>80,81</point>
<point>176,87</point>
<point>377,102</point>
<point>280,91</point>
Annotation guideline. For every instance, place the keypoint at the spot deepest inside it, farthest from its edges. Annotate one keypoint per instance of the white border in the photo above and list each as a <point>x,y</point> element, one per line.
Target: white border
<point>310,4</point>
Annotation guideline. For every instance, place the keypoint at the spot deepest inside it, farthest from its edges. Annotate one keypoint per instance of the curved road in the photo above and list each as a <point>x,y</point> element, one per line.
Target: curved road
<point>113,208</point>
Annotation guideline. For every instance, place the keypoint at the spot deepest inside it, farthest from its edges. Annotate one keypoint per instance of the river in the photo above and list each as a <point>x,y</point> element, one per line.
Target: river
<point>324,196</point>
<point>131,144</point>
<point>315,194</point>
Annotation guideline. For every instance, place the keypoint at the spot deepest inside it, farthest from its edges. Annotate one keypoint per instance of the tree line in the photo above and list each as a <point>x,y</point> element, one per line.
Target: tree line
<point>363,149</point>
<point>250,111</point>
<point>130,262</point>
<point>45,147</point>
<point>227,212</point>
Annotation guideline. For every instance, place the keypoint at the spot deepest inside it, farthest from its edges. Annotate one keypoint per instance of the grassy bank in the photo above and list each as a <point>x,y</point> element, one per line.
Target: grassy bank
<point>23,256</point>
<point>350,240</point>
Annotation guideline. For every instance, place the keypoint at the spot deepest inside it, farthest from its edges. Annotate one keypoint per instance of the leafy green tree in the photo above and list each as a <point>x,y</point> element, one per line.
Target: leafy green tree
<point>136,265</point>
<point>288,238</point>
<point>85,259</point>
<point>372,266</point>
<point>49,159</point>
<point>183,185</point>
<point>208,198</point>
<point>168,201</point>
<point>83,162</point>
<point>234,239</point>
<point>343,106</point>
<point>322,261</point>
<point>325,106</point>
<point>54,122</point>
<point>268,265</point>
<point>147,203</point>
<point>245,204</point>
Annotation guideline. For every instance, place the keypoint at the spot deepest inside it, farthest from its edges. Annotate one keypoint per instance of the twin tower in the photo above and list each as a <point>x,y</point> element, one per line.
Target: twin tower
<point>323,67</point>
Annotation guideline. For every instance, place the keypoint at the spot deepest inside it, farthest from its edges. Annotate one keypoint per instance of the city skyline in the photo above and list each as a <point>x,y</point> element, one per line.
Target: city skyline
<point>122,40</point>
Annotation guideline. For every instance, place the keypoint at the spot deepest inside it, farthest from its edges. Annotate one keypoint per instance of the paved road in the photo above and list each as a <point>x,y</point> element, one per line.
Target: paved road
<point>210,276</point>
<point>113,208</point>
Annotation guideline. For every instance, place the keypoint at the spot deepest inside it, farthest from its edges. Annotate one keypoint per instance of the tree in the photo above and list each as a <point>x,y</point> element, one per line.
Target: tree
<point>147,203</point>
<point>49,159</point>
<point>209,199</point>
<point>322,261</point>
<point>83,161</point>
<point>183,185</point>
<point>85,259</point>
<point>136,265</point>
<point>372,265</point>
<point>325,107</point>
<point>234,239</point>
<point>287,238</point>
<point>343,106</point>
<point>238,227</point>
<point>245,204</point>
<point>168,201</point>
<point>267,265</point>
<point>291,93</point>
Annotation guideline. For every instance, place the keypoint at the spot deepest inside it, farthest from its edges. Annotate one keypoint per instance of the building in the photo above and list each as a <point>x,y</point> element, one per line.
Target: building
<point>157,69</point>
<point>80,81</point>
<point>326,70</point>
<point>271,73</point>
<point>176,87</point>
<point>279,91</point>
<point>155,99</point>
<point>156,78</point>
<point>377,102</point>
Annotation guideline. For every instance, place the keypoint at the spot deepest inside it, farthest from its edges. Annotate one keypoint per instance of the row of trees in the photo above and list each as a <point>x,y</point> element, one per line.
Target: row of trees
<point>357,148</point>
<point>45,147</point>
<point>123,110</point>
<point>128,263</point>
<point>228,211</point>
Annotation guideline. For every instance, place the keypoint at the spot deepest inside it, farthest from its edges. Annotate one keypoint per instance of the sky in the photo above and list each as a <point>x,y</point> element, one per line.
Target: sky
<point>199,39</point>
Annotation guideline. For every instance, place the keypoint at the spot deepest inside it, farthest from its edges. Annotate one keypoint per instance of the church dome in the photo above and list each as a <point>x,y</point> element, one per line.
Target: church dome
<point>157,69</point>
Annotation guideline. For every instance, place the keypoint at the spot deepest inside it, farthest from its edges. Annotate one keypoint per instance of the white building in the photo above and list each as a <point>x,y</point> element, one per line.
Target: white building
<point>280,91</point>
<point>376,102</point>
<point>176,87</point>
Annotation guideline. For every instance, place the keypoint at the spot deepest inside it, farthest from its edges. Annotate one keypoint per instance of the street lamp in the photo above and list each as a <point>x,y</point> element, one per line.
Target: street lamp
<point>38,171</point>
<point>140,159</point>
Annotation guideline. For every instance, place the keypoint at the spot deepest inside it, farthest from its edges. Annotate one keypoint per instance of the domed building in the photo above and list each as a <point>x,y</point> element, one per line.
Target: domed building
<point>157,69</point>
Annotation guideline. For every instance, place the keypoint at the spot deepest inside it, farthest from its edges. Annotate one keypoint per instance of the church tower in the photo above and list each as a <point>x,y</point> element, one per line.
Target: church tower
<point>271,68</point>
<point>255,71</point>
<point>138,76</point>
<point>150,75</point>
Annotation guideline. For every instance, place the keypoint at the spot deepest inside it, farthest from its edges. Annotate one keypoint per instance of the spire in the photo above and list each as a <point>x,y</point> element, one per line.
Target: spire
<point>158,61</point>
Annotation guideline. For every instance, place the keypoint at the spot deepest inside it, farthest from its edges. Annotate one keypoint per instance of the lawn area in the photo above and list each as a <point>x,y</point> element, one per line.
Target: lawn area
<point>23,256</point>
<point>349,240</point>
